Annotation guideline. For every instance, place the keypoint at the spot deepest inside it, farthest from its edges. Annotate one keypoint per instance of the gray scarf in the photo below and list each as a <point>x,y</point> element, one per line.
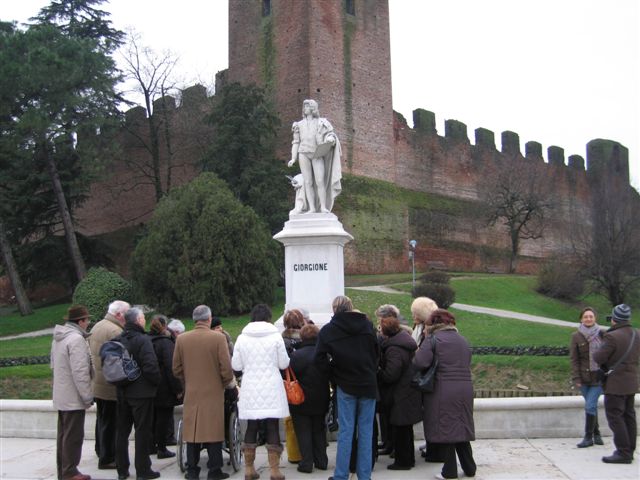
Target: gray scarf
<point>592,334</point>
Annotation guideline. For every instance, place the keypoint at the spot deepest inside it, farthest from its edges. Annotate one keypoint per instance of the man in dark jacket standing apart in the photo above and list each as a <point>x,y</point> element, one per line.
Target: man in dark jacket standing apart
<point>135,401</point>
<point>348,351</point>
<point>201,360</point>
<point>622,384</point>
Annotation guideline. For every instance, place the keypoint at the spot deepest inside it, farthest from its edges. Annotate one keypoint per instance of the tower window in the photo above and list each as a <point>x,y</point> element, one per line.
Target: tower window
<point>350,6</point>
<point>266,8</point>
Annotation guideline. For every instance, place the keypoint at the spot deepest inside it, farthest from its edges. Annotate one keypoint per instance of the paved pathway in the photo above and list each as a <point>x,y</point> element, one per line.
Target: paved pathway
<point>506,459</point>
<point>37,333</point>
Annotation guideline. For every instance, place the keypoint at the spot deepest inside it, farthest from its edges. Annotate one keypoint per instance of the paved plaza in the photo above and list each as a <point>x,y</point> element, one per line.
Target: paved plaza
<point>512,459</point>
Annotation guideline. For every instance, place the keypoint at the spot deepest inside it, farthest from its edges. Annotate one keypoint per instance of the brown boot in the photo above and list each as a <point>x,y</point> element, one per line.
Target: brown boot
<point>249,451</point>
<point>274,452</point>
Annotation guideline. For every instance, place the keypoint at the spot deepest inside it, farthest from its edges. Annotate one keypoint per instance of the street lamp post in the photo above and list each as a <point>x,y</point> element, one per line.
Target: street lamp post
<point>412,257</point>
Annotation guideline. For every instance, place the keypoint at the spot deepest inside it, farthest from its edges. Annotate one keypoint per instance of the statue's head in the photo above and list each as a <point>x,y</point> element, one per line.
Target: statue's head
<point>311,106</point>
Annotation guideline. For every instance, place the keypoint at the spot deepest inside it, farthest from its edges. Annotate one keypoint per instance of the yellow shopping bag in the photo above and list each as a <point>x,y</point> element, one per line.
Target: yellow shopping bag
<point>293,451</point>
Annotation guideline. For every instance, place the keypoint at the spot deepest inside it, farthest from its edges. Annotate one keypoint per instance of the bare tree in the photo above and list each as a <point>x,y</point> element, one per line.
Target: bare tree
<point>608,251</point>
<point>152,74</point>
<point>518,198</point>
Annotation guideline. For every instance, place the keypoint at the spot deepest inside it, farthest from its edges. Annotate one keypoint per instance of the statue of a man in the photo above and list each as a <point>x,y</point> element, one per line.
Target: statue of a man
<point>317,148</point>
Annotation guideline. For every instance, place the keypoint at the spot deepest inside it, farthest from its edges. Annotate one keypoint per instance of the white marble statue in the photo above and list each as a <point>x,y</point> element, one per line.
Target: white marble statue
<point>316,146</point>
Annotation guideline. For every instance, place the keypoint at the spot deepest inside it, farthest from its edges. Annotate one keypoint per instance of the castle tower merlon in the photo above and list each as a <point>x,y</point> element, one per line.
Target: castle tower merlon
<point>510,143</point>
<point>167,102</point>
<point>576,162</point>
<point>533,151</point>
<point>135,116</point>
<point>456,131</point>
<point>607,158</point>
<point>193,96</point>
<point>555,155</point>
<point>424,121</point>
<point>485,138</point>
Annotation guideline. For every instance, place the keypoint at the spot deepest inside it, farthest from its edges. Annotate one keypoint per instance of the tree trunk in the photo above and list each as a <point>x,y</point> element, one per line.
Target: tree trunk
<point>69,231</point>
<point>14,276</point>
<point>513,258</point>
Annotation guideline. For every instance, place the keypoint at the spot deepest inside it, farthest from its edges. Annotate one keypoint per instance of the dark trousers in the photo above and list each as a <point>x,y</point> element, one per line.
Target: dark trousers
<point>404,451</point>
<point>162,418</point>
<point>69,445</point>
<point>137,412</point>
<point>214,464</point>
<point>621,417</point>
<point>311,431</point>
<point>106,431</point>
<point>465,454</point>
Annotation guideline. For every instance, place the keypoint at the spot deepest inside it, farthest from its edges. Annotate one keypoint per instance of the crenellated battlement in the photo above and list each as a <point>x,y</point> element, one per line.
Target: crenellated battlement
<point>603,156</point>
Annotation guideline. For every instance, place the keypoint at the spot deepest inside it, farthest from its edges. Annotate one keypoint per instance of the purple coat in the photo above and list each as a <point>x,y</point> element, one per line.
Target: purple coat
<point>448,410</point>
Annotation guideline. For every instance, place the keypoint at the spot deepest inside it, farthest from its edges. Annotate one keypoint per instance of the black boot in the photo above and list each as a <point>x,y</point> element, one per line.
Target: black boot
<point>590,423</point>
<point>597,438</point>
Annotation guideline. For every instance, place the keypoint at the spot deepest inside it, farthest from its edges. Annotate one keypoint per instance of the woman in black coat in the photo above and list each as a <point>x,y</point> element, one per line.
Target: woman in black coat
<point>448,410</point>
<point>169,387</point>
<point>404,404</point>
<point>309,417</point>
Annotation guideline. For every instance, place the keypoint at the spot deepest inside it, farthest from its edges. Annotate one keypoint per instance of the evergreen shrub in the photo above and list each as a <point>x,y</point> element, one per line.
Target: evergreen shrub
<point>205,247</point>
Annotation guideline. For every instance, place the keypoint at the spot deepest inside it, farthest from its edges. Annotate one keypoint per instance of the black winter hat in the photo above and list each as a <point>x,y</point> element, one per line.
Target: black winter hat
<point>621,313</point>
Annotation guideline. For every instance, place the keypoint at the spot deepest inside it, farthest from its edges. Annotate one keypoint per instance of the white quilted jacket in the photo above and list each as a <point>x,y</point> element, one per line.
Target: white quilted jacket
<point>260,354</point>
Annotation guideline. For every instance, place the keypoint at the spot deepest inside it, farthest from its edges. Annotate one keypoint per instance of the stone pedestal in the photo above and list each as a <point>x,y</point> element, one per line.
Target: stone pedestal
<point>314,263</point>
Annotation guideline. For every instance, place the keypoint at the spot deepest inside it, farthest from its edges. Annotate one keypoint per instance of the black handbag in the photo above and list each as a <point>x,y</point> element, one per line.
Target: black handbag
<point>425,380</point>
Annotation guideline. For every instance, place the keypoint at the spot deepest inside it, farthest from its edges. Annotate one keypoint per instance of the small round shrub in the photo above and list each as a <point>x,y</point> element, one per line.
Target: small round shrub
<point>560,280</point>
<point>435,277</point>
<point>98,289</point>
<point>440,293</point>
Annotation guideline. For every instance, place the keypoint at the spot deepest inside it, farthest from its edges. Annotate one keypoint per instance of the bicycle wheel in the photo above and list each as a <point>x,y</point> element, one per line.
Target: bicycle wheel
<point>181,449</point>
<point>235,440</point>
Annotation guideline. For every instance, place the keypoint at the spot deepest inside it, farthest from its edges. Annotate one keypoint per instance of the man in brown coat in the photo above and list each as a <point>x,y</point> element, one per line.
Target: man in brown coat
<point>622,383</point>
<point>105,393</point>
<point>201,360</point>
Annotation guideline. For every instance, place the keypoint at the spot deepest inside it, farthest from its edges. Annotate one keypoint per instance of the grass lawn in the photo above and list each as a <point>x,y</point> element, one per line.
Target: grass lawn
<point>45,317</point>
<point>501,372</point>
<point>31,382</point>
<point>517,293</point>
<point>490,371</point>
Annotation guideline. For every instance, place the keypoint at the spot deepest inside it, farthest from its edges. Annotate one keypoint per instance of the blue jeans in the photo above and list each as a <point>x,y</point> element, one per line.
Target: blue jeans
<point>351,411</point>
<point>591,393</point>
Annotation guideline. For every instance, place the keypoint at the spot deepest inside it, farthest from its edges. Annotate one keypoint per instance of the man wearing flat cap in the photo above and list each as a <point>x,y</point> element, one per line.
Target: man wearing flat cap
<point>619,354</point>
<point>72,392</point>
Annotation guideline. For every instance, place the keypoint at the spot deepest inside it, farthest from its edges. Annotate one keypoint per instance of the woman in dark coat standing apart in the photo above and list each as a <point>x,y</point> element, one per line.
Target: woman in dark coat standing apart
<point>394,376</point>
<point>308,417</point>
<point>169,387</point>
<point>584,342</point>
<point>448,410</point>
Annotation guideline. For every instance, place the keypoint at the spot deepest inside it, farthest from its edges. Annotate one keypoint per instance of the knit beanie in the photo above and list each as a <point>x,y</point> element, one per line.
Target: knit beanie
<point>621,313</point>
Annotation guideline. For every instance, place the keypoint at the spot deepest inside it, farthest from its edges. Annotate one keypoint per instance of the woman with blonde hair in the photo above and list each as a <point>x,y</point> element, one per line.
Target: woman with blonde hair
<point>421,310</point>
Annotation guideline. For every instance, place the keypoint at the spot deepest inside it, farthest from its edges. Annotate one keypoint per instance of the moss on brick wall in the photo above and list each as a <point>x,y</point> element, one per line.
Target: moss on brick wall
<point>382,216</point>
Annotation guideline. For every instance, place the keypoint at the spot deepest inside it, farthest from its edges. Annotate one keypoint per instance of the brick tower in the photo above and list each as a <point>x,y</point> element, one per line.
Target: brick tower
<point>334,51</point>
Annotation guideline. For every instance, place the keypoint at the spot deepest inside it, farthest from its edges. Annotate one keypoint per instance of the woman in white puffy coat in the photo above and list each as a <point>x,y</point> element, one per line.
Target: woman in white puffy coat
<point>260,354</point>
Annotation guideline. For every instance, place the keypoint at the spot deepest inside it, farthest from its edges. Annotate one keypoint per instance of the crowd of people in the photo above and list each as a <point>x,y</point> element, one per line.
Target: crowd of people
<point>360,371</point>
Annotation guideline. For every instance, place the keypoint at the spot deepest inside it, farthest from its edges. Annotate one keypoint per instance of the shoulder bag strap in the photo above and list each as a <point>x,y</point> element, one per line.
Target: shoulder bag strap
<point>626,354</point>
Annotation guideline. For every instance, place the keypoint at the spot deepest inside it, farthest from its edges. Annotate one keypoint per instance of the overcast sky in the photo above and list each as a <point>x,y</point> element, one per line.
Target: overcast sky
<point>560,72</point>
